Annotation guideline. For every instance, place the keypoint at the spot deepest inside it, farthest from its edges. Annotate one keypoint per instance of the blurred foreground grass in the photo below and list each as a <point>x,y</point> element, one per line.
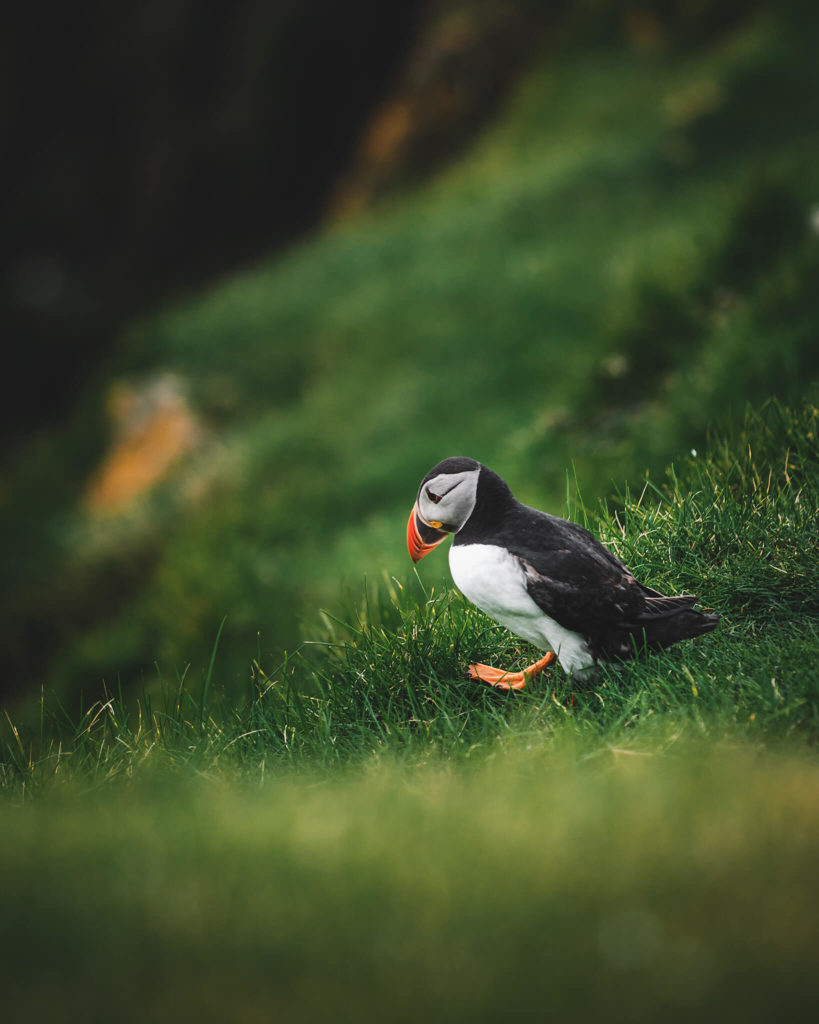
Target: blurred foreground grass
<point>540,883</point>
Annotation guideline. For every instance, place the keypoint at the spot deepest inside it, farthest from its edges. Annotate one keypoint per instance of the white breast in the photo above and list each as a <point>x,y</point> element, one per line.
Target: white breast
<point>493,579</point>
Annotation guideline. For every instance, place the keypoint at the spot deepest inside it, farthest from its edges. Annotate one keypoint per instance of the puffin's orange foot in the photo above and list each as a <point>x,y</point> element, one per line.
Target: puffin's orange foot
<point>509,680</point>
<point>497,677</point>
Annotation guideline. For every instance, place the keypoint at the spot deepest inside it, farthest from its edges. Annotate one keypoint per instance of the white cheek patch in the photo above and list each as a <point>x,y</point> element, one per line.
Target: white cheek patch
<point>458,493</point>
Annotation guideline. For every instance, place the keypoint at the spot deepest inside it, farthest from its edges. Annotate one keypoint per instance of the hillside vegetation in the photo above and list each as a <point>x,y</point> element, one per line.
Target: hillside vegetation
<point>625,257</point>
<point>738,525</point>
<point>369,836</point>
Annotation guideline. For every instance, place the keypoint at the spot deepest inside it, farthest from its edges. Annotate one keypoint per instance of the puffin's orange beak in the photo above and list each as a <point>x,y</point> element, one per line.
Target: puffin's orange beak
<point>422,537</point>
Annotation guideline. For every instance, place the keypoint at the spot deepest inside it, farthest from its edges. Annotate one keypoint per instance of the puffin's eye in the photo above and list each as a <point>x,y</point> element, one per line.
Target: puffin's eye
<point>434,498</point>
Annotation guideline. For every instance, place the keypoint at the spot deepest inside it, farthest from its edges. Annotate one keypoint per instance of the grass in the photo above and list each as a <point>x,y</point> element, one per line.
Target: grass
<point>680,885</point>
<point>737,525</point>
<point>369,836</point>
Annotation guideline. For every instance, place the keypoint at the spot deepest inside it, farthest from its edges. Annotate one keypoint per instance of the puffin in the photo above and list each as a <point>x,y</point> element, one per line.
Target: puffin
<point>546,579</point>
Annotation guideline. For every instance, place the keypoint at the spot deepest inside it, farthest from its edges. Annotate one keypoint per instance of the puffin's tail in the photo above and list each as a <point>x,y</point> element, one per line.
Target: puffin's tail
<point>665,620</point>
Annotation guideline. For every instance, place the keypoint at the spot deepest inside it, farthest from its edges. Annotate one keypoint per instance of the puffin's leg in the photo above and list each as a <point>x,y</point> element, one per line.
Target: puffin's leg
<point>510,680</point>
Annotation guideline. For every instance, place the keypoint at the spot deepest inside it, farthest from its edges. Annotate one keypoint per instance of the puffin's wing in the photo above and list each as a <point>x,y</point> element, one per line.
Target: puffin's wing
<point>582,585</point>
<point>581,595</point>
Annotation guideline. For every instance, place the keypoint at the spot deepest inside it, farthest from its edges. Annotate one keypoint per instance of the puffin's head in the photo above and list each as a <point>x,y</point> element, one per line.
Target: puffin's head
<point>445,501</point>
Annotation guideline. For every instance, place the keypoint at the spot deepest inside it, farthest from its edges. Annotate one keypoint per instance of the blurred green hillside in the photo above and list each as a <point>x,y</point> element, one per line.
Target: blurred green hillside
<point>628,254</point>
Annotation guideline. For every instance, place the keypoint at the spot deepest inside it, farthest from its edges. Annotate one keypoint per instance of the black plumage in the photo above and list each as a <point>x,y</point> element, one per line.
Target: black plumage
<point>574,578</point>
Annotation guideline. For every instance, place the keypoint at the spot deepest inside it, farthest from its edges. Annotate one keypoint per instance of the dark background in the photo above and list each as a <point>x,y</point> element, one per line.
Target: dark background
<point>149,147</point>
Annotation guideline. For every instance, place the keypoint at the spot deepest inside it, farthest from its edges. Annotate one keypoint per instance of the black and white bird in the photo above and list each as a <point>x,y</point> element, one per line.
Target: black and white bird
<point>545,579</point>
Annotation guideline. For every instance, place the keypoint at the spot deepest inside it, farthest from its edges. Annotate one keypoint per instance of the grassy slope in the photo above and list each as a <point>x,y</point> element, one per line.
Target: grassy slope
<point>370,837</point>
<point>738,527</point>
<point>593,285</point>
